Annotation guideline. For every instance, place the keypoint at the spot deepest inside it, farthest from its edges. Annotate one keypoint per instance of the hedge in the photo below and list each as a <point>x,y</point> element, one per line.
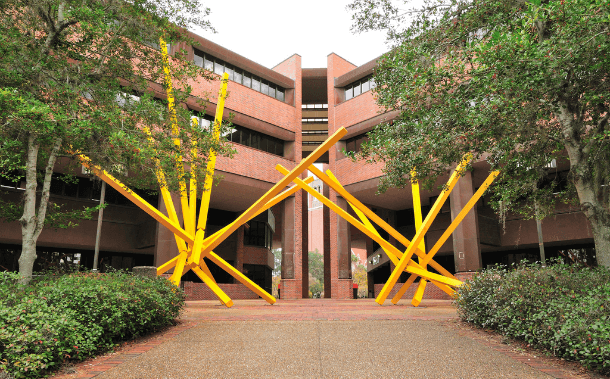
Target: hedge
<point>560,308</point>
<point>59,318</point>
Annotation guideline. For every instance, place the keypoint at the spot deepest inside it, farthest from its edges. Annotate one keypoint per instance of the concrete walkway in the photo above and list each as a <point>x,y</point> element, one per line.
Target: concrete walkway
<point>320,339</point>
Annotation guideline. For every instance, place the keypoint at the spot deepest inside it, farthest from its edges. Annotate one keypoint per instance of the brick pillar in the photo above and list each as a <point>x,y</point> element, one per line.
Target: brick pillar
<point>466,248</point>
<point>340,254</point>
<point>291,274</point>
<point>369,276</point>
<point>165,244</point>
<point>326,251</point>
<point>305,242</point>
<point>239,253</point>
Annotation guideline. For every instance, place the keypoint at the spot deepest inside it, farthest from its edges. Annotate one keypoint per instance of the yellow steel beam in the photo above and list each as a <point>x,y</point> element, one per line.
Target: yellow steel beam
<point>279,198</point>
<point>391,254</point>
<point>209,175</point>
<point>422,245</point>
<point>373,217</point>
<point>404,261</point>
<point>413,267</point>
<point>136,199</point>
<point>308,161</point>
<point>226,300</point>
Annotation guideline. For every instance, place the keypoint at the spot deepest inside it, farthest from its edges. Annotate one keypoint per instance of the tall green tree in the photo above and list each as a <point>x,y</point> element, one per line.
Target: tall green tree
<point>75,76</point>
<point>518,83</point>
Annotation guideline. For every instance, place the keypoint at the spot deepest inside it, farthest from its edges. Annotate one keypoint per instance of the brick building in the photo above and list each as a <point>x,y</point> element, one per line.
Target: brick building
<point>281,115</point>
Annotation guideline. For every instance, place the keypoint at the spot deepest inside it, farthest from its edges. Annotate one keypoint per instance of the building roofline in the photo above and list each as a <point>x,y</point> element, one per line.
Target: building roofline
<point>242,62</point>
<point>357,73</point>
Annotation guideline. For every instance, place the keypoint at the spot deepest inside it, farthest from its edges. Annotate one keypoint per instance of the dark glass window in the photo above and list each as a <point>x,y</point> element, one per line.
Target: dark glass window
<point>256,84</point>
<point>219,67</point>
<point>258,234</point>
<point>199,61</point>
<point>357,89</point>
<point>237,76</point>
<point>247,81</point>
<point>349,93</point>
<point>208,64</point>
<point>354,144</point>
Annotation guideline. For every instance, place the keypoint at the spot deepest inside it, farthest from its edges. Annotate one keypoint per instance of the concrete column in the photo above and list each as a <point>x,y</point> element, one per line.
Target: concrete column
<point>466,248</point>
<point>165,244</point>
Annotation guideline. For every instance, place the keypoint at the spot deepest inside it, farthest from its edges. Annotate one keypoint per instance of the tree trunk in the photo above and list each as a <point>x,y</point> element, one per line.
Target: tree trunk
<point>28,220</point>
<point>583,168</point>
<point>32,223</point>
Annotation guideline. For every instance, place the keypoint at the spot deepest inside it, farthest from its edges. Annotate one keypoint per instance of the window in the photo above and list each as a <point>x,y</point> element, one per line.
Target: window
<point>354,144</point>
<point>238,75</point>
<point>256,84</point>
<point>314,106</point>
<point>359,87</point>
<point>258,234</point>
<point>247,137</point>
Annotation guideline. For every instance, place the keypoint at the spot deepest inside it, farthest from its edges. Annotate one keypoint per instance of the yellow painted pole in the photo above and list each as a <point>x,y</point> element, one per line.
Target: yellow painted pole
<point>412,268</point>
<point>394,258</point>
<point>308,161</point>
<point>209,175</point>
<point>136,199</point>
<point>422,245</point>
<point>404,261</point>
<point>371,215</point>
<point>171,105</point>
<point>289,192</point>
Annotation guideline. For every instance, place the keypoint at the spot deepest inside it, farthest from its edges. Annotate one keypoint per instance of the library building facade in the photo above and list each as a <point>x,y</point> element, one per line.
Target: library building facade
<point>280,115</point>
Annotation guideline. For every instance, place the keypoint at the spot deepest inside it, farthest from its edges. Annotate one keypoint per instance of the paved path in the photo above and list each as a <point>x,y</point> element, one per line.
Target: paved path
<point>319,339</point>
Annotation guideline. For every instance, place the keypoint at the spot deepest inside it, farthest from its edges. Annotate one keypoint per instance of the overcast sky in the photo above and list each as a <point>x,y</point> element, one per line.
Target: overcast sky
<point>269,31</point>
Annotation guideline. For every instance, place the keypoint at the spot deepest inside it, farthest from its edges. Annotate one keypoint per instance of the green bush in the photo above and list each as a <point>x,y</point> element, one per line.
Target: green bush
<point>70,317</point>
<point>563,309</point>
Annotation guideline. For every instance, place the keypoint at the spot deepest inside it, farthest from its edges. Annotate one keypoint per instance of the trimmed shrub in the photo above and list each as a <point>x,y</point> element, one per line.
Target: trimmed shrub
<point>563,309</point>
<point>71,317</point>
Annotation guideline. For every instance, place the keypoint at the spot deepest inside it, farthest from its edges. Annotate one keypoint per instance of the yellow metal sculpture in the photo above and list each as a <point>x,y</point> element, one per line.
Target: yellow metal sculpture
<point>194,246</point>
<point>403,262</point>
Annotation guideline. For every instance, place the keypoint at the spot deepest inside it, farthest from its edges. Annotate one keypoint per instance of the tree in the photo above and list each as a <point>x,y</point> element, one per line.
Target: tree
<point>518,83</point>
<point>75,77</point>
<point>316,271</point>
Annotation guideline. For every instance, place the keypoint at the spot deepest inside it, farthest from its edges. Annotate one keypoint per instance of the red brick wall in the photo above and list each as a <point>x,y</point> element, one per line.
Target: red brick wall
<point>199,291</point>
<point>432,292</point>
<point>254,255</point>
<point>253,163</point>
<point>316,230</point>
<point>250,102</point>
<point>349,172</point>
<point>356,110</point>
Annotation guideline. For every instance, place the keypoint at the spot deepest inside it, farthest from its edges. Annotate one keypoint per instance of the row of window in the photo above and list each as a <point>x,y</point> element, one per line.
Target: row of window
<point>313,120</point>
<point>83,188</point>
<point>312,142</point>
<point>314,106</point>
<point>359,87</point>
<point>238,75</point>
<point>354,144</point>
<point>258,234</point>
<point>247,137</point>
<point>315,132</point>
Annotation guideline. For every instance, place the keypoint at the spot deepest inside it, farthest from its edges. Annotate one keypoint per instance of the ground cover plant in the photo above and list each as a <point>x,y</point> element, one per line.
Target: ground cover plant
<point>560,308</point>
<point>58,318</point>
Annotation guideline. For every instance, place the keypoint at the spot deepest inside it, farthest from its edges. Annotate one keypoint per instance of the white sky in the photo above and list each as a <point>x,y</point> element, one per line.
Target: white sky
<point>269,31</point>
